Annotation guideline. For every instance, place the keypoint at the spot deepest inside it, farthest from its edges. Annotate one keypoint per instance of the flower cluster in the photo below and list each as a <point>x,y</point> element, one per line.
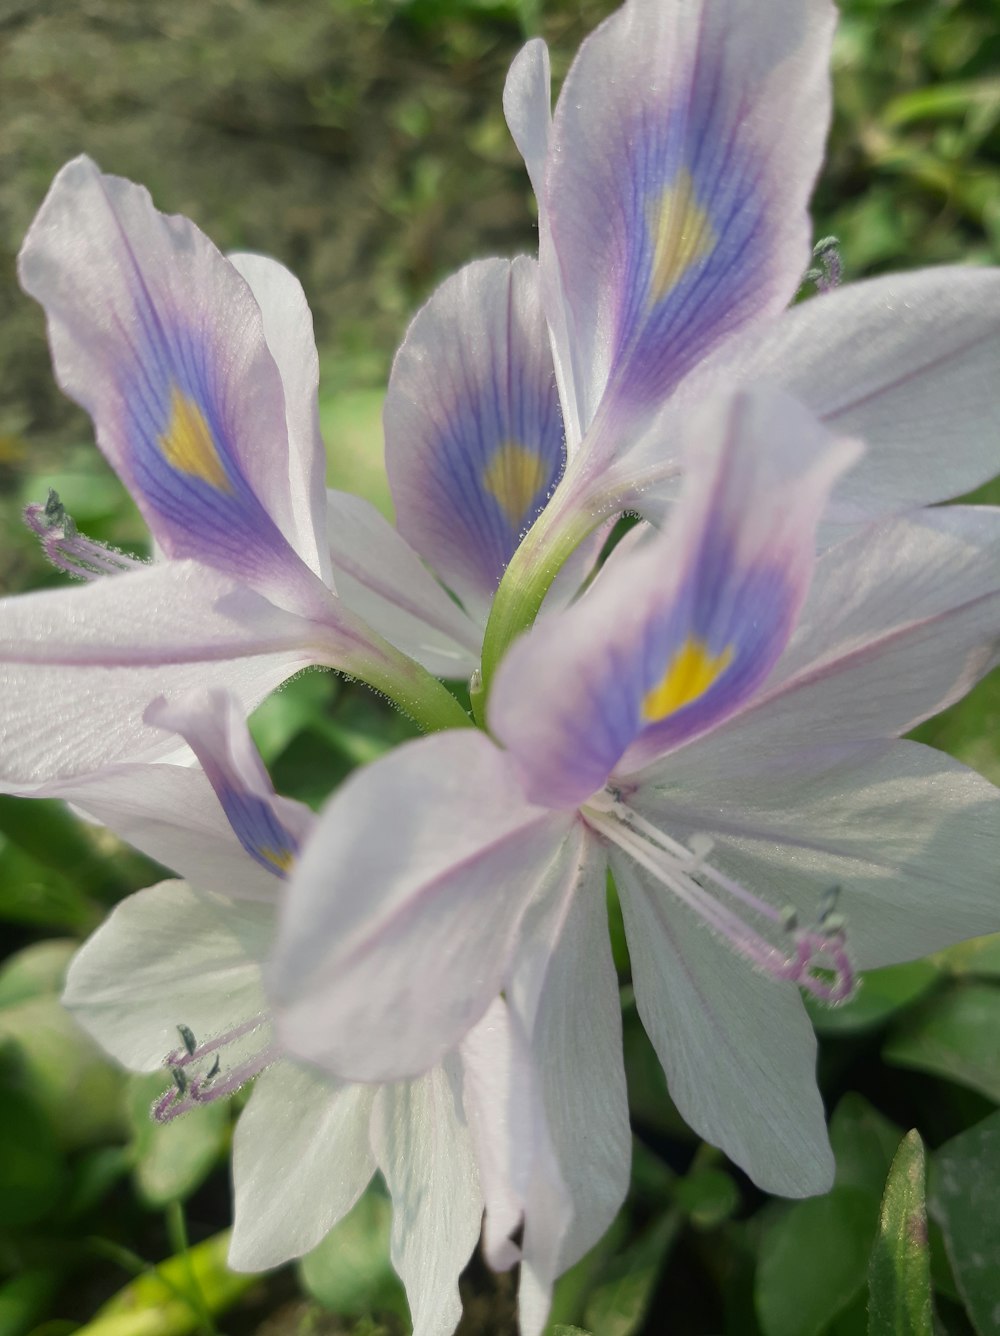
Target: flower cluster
<point>708,719</point>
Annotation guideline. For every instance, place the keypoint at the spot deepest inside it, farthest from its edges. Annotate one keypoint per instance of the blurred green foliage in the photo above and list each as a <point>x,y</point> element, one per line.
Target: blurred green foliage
<point>361,141</point>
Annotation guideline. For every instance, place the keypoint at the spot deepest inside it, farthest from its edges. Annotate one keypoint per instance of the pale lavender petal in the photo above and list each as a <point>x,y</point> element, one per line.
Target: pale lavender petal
<point>270,828</point>
<point>683,151</point>
<point>168,956</point>
<point>301,1159</point>
<point>171,813</point>
<point>684,628</point>
<point>79,666</point>
<point>738,1049</point>
<point>908,363</point>
<point>288,329</point>
<point>380,577</point>
<point>910,837</point>
<point>159,337</point>
<point>900,622</point>
<point>501,1107</point>
<point>424,1150</point>
<point>905,362</point>
<point>576,1044</point>
<point>418,874</point>
<point>473,430</point>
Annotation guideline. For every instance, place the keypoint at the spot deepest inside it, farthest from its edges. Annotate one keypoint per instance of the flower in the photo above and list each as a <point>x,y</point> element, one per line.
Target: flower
<point>200,374</point>
<point>715,721</point>
<point>172,980</point>
<point>673,183</point>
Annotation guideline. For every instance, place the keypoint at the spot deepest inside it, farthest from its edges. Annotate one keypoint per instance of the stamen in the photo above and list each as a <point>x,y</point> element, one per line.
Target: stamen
<point>67,549</point>
<point>188,1091</point>
<point>827,274</point>
<point>803,956</point>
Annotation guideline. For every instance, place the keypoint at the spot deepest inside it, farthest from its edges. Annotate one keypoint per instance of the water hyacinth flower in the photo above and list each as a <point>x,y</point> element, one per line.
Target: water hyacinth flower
<point>200,374</point>
<point>673,182</point>
<point>172,981</point>
<point>716,720</point>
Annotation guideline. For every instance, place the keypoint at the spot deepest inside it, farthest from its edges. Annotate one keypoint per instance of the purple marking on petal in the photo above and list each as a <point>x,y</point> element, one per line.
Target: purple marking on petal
<point>474,432</point>
<point>210,508</point>
<point>269,828</point>
<point>676,633</point>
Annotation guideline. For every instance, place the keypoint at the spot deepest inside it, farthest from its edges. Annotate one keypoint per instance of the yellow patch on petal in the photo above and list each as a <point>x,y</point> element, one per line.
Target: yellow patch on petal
<point>513,477</point>
<point>690,673</point>
<point>280,859</point>
<point>188,444</point>
<point>681,233</point>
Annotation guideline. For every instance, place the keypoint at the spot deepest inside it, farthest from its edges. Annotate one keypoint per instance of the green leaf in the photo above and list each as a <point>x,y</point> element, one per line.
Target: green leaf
<point>618,1305</point>
<point>36,971</point>
<point>707,1196</point>
<point>153,1304</point>
<point>899,1271</point>
<point>813,1261</point>
<point>24,1299</point>
<point>32,1172</point>
<point>80,1090</point>
<point>864,1143</point>
<point>956,1034</point>
<point>980,956</point>
<point>34,894</point>
<point>964,1200</point>
<point>349,1272</point>
<point>882,993</point>
<point>172,1159</point>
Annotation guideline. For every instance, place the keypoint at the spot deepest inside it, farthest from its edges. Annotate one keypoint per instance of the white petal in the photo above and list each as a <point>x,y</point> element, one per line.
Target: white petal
<point>424,1150</point>
<point>737,1048</point>
<point>417,875</point>
<point>288,330</point>
<point>576,1043</point>
<point>382,578</point>
<point>911,836</point>
<point>907,362</point>
<point>900,622</point>
<point>301,1159</point>
<point>168,956</point>
<point>171,813</point>
<point>79,666</point>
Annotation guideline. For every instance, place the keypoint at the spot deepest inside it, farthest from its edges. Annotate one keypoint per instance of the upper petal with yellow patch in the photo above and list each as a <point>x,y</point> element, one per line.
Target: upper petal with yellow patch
<point>160,338</point>
<point>676,632</point>
<point>683,150</point>
<point>473,428</point>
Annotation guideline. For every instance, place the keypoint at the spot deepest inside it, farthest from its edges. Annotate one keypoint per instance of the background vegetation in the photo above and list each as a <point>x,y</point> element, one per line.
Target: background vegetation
<point>361,142</point>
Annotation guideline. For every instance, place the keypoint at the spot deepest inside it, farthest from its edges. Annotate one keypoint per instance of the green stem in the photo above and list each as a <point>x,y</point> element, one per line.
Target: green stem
<point>177,1233</point>
<point>426,700</point>
<point>526,581</point>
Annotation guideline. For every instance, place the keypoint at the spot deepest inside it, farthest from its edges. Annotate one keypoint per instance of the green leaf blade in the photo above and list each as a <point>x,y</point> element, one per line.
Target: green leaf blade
<point>899,1273</point>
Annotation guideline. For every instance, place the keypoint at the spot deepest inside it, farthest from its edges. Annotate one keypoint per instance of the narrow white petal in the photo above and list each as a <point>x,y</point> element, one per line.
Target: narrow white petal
<point>737,1048</point>
<point>301,1159</point>
<point>164,957</point>
<point>911,837</point>
<point>424,1149</point>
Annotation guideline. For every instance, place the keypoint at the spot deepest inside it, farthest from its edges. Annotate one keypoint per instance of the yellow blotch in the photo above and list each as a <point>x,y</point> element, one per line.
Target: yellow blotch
<point>513,477</point>
<point>690,673</point>
<point>188,445</point>
<point>681,233</point>
<point>280,859</point>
